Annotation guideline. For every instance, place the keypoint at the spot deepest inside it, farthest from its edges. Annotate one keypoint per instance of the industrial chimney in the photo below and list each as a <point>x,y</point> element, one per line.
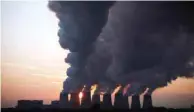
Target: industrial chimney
<point>107,103</point>
<point>135,102</point>
<point>64,102</point>
<point>121,102</point>
<point>86,100</point>
<point>147,101</point>
<point>74,101</point>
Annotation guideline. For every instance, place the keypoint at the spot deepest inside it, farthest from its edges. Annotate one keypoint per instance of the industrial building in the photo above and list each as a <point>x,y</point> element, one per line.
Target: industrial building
<point>28,104</point>
<point>55,104</point>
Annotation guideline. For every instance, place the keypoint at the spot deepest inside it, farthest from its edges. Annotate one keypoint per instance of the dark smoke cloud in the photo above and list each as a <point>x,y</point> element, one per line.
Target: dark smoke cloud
<point>152,42</point>
<point>144,44</point>
<point>80,24</point>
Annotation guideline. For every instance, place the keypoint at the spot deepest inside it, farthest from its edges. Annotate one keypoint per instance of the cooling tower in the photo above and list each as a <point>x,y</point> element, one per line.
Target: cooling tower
<point>121,102</point>
<point>135,102</point>
<point>74,101</point>
<point>95,99</point>
<point>147,101</point>
<point>86,100</point>
<point>106,104</point>
<point>64,102</point>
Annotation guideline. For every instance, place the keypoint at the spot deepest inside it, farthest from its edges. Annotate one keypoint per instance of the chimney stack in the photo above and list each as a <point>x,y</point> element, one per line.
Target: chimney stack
<point>74,101</point>
<point>86,100</point>
<point>121,102</point>
<point>147,102</point>
<point>107,103</point>
<point>64,102</point>
<point>135,102</point>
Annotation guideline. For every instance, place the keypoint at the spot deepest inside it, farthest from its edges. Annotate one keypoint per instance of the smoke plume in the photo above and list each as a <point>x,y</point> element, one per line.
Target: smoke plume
<point>151,44</point>
<point>80,24</point>
<point>141,44</point>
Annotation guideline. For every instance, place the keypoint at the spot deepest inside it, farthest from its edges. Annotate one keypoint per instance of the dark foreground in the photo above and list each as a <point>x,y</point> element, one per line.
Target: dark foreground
<point>96,110</point>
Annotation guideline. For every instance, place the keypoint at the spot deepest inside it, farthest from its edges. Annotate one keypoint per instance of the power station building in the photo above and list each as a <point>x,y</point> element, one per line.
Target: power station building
<point>28,104</point>
<point>121,102</point>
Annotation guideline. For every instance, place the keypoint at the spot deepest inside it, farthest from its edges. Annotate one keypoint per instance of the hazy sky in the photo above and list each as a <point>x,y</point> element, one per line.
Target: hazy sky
<point>33,62</point>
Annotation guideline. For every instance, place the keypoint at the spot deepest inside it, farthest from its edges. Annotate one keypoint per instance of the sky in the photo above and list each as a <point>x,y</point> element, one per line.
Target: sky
<point>32,61</point>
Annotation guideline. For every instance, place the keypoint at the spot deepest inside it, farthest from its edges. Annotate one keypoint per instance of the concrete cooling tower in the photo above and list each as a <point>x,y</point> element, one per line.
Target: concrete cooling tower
<point>121,102</point>
<point>135,102</point>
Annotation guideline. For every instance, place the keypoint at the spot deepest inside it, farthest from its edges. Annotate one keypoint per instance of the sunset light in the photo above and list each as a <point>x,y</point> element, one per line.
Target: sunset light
<point>80,54</point>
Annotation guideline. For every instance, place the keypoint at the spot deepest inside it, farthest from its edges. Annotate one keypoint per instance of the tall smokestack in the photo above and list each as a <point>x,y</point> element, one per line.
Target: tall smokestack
<point>135,102</point>
<point>147,101</point>
<point>64,102</point>
<point>106,104</point>
<point>121,102</point>
<point>86,100</point>
<point>74,101</point>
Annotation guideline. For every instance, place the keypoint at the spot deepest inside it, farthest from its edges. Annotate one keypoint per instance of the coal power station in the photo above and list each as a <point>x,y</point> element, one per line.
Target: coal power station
<point>121,101</point>
<point>138,45</point>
